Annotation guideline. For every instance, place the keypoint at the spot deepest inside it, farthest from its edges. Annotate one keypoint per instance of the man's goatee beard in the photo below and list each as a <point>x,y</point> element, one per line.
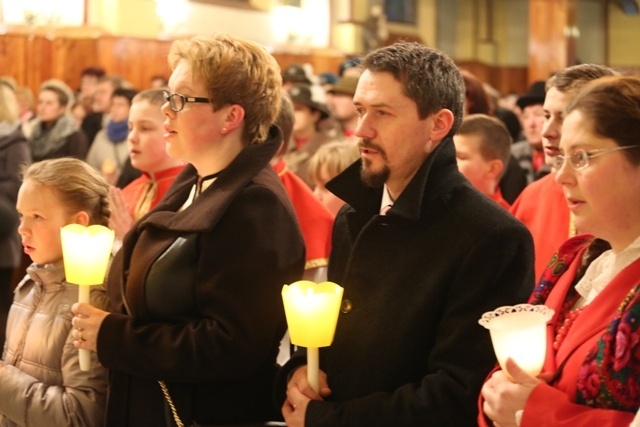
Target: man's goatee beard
<point>373,179</point>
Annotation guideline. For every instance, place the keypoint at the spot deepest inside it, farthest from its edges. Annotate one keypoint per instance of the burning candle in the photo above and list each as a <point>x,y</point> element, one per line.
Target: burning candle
<point>86,252</point>
<point>312,315</point>
<point>519,332</point>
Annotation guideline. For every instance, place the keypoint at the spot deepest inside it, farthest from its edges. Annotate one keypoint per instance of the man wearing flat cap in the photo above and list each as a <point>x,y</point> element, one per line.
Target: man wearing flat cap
<point>298,74</point>
<point>529,151</point>
<point>340,101</point>
<point>309,111</point>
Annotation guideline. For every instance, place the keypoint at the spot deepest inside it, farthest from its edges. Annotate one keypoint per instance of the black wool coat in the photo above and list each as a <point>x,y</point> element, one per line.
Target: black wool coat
<point>408,350</point>
<point>196,299</point>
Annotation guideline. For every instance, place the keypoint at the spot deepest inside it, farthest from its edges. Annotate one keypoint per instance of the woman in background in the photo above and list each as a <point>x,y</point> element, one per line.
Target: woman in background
<point>54,131</point>
<point>148,154</point>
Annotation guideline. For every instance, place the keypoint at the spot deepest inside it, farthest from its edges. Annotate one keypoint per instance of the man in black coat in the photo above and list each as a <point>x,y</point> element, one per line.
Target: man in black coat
<point>417,277</point>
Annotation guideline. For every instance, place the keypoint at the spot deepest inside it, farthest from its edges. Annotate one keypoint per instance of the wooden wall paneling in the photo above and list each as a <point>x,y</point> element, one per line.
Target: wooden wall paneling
<point>38,59</point>
<point>505,79</point>
<point>33,58</point>
<point>331,63</point>
<point>130,58</point>
<point>137,60</point>
<point>552,44</point>
<point>511,80</point>
<point>12,54</point>
<point>158,53</point>
<point>71,56</point>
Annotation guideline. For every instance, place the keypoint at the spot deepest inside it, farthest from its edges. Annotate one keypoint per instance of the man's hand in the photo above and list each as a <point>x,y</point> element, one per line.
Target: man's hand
<point>299,394</point>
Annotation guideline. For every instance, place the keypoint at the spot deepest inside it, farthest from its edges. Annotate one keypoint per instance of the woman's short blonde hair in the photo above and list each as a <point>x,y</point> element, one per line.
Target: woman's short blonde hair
<point>235,71</point>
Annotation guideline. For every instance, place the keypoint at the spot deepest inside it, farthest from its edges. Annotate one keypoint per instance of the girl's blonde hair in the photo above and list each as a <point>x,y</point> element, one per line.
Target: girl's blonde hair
<point>79,186</point>
<point>334,157</point>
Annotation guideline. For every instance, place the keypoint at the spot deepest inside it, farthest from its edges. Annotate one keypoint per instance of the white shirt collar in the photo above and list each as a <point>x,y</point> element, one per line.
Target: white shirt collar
<point>603,269</point>
<point>387,201</point>
<point>201,185</point>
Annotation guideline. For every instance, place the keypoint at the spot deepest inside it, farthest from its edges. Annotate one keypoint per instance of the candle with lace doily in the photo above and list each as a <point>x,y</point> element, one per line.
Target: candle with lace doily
<point>519,332</point>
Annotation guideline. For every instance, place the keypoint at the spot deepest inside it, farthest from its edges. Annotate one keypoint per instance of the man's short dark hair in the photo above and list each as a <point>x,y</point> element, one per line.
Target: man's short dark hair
<point>429,77</point>
<point>128,94</point>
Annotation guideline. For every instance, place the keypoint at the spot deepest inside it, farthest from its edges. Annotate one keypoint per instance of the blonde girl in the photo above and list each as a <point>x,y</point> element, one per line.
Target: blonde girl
<point>41,383</point>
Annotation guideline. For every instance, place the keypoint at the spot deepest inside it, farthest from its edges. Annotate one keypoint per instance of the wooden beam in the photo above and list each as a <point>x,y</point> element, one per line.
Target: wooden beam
<point>552,37</point>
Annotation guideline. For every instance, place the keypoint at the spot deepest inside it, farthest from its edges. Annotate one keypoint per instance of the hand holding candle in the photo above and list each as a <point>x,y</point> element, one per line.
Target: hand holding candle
<point>86,252</point>
<point>519,332</point>
<point>312,315</point>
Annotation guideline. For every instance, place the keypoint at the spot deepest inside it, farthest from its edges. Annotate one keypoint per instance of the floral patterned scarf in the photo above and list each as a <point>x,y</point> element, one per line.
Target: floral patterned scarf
<point>609,377</point>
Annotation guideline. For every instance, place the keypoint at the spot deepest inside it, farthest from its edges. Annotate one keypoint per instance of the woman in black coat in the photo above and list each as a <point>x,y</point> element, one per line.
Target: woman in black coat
<point>196,288</point>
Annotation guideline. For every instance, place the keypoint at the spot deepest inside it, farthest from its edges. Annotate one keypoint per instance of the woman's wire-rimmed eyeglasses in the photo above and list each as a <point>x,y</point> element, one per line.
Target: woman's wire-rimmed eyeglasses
<point>579,159</point>
<point>177,101</point>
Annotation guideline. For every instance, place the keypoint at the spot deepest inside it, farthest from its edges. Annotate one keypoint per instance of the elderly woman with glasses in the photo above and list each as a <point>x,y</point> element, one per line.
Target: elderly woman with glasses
<point>591,375</point>
<point>196,288</point>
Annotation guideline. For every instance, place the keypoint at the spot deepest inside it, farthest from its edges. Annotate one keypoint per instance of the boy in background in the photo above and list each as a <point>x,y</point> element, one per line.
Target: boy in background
<point>330,160</point>
<point>315,221</point>
<point>147,151</point>
<point>483,147</point>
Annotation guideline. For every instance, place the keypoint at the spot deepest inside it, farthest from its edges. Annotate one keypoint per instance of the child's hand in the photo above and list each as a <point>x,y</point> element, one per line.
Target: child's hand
<point>121,220</point>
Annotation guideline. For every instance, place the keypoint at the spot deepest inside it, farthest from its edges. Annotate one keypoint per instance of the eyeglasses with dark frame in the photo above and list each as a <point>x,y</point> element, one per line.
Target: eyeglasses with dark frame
<point>579,159</point>
<point>177,101</point>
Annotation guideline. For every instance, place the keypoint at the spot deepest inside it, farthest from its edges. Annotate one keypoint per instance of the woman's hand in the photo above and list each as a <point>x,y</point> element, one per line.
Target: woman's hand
<point>87,321</point>
<point>504,396</point>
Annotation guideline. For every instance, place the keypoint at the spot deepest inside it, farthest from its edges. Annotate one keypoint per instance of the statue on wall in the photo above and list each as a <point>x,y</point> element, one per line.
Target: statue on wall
<point>375,31</point>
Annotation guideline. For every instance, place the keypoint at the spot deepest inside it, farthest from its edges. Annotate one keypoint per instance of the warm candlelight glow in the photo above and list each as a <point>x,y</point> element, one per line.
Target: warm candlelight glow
<point>86,252</point>
<point>519,332</point>
<point>312,315</point>
<point>312,312</point>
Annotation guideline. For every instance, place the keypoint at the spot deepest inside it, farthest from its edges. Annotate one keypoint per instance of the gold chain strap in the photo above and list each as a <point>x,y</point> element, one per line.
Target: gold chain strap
<point>165,391</point>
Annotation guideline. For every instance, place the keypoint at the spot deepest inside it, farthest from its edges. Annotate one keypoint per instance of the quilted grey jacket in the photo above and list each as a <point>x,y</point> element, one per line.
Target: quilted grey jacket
<point>41,383</point>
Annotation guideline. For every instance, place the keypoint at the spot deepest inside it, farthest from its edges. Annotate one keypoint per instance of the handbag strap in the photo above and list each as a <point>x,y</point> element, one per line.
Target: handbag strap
<point>167,396</point>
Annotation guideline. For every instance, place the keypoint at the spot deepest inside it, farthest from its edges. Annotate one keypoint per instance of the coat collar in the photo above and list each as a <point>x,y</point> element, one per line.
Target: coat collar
<point>46,274</point>
<point>421,191</point>
<point>207,209</point>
